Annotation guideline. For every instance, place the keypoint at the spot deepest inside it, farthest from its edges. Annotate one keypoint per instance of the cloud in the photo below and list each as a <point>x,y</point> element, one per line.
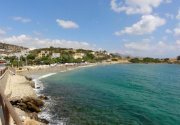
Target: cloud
<point>146,25</point>
<point>168,31</point>
<point>177,31</point>
<point>67,24</point>
<point>168,1</point>
<point>178,15</point>
<point>154,49</point>
<point>135,6</point>
<point>37,33</point>
<point>35,42</point>
<point>21,19</point>
<point>138,45</point>
<point>169,15</point>
<point>178,42</point>
<point>2,32</point>
<point>17,39</point>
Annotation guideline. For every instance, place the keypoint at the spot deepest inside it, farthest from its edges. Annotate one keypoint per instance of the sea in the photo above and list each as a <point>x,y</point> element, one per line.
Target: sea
<point>119,94</point>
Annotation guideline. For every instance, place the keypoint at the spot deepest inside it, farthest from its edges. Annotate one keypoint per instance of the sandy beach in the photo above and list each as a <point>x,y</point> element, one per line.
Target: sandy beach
<point>46,69</point>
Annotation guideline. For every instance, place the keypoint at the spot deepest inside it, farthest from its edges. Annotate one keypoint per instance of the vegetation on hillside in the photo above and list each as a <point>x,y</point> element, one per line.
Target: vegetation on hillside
<point>145,60</point>
<point>66,56</point>
<point>154,60</point>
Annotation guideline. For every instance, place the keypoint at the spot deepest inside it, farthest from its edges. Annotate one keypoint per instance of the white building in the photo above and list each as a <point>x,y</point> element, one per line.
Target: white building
<point>23,53</point>
<point>3,55</point>
<point>55,55</point>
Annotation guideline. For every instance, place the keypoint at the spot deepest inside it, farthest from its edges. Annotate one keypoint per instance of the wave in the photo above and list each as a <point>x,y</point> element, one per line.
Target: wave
<point>47,75</point>
<point>38,83</point>
<point>45,114</point>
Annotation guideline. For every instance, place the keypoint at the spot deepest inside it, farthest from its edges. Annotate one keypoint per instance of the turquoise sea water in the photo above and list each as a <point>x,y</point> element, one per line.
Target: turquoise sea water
<point>122,94</point>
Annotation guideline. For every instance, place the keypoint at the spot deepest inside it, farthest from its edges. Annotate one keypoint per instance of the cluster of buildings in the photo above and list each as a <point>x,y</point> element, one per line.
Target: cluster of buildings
<point>8,50</point>
<point>44,53</point>
<point>76,55</point>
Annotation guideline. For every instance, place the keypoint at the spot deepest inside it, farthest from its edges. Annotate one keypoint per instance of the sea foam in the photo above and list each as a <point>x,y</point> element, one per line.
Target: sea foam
<point>47,75</point>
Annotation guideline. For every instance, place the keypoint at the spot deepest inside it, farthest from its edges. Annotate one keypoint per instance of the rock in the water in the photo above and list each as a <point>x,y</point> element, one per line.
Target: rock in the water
<point>43,97</point>
<point>34,116</point>
<point>36,101</point>
<point>28,78</point>
<point>38,87</point>
<point>32,107</point>
<point>32,84</point>
<point>14,101</point>
<point>22,106</point>
<point>44,121</point>
<point>28,104</point>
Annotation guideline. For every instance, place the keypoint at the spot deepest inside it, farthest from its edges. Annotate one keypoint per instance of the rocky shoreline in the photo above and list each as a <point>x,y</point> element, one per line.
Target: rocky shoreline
<point>20,91</point>
<point>31,106</point>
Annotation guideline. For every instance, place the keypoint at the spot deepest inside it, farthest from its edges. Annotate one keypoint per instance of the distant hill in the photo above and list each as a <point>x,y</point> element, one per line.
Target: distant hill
<point>10,48</point>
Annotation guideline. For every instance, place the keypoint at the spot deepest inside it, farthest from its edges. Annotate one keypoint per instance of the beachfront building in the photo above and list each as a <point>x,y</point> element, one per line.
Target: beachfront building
<point>43,53</point>
<point>78,55</point>
<point>55,55</point>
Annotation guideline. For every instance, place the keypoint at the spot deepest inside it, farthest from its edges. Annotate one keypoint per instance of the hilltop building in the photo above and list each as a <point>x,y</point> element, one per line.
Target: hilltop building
<point>10,48</point>
<point>43,53</point>
<point>78,55</point>
<point>23,53</point>
<point>55,55</point>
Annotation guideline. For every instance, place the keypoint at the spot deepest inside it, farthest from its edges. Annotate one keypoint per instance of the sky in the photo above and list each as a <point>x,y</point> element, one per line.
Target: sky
<point>148,28</point>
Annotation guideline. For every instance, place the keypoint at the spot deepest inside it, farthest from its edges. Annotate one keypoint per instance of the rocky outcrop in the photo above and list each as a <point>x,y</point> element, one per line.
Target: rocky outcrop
<point>43,97</point>
<point>28,104</point>
<point>20,91</point>
<point>28,78</point>
<point>29,107</point>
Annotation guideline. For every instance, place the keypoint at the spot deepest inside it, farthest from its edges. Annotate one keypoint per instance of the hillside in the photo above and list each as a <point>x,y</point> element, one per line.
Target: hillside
<point>9,48</point>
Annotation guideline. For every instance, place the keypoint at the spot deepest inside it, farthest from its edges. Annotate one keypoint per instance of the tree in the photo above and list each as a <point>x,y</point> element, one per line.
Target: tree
<point>135,60</point>
<point>31,56</point>
<point>166,59</point>
<point>66,58</point>
<point>88,57</point>
<point>114,59</point>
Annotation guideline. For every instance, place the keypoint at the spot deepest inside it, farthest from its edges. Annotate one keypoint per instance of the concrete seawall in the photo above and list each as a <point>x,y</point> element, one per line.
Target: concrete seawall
<point>4,79</point>
<point>17,87</point>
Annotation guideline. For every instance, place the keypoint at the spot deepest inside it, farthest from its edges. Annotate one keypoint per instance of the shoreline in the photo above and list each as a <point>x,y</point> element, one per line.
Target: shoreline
<point>46,69</point>
<point>38,74</point>
<point>34,75</point>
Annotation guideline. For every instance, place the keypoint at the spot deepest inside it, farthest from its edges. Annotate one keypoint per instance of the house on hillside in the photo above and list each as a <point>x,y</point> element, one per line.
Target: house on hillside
<point>93,52</point>
<point>78,55</point>
<point>3,55</point>
<point>23,53</point>
<point>55,55</point>
<point>43,53</point>
<point>172,60</point>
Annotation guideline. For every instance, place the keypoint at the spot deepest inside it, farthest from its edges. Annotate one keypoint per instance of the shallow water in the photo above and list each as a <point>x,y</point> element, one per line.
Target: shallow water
<point>124,94</point>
